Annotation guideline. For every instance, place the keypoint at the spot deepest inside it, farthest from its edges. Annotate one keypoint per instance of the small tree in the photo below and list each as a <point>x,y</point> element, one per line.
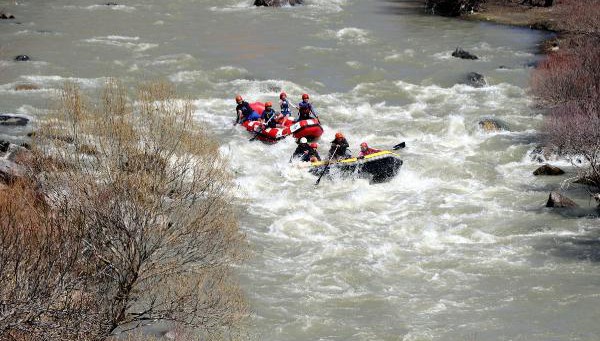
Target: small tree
<point>153,198</point>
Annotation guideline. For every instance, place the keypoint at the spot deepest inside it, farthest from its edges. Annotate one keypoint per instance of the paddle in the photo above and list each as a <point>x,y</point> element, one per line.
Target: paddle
<point>327,166</point>
<point>399,146</point>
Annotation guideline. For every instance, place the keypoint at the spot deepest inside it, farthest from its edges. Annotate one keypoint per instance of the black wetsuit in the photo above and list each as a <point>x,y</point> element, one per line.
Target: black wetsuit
<point>341,151</point>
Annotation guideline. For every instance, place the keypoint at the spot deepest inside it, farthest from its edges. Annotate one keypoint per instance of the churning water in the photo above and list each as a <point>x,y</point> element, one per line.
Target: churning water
<point>457,247</point>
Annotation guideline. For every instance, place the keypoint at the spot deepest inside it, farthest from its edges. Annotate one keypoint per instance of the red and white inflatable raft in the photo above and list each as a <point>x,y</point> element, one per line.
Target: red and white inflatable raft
<point>311,129</point>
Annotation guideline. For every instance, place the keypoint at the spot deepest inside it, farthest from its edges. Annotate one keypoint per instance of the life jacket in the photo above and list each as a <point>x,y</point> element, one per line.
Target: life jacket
<point>285,107</point>
<point>304,110</point>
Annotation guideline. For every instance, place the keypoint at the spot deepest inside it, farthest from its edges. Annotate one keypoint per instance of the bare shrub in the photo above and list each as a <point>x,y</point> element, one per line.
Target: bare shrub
<point>42,290</point>
<point>570,75</point>
<point>579,16</point>
<point>139,230</point>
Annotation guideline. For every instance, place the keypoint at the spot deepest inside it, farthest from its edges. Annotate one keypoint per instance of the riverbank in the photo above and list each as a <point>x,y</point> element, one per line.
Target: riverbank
<point>566,83</point>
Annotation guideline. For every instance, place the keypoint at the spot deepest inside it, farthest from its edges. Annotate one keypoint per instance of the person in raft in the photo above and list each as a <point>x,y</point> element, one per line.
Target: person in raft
<point>244,111</point>
<point>269,115</point>
<point>365,150</point>
<point>305,109</point>
<point>284,104</point>
<point>306,152</point>
<point>339,147</point>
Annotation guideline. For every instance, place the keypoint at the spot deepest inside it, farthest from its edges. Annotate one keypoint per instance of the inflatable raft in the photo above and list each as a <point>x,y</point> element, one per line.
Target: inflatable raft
<point>377,167</point>
<point>311,129</point>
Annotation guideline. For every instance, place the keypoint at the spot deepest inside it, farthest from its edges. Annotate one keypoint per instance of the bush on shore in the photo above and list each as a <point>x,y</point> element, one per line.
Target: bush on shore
<point>568,82</point>
<point>141,230</point>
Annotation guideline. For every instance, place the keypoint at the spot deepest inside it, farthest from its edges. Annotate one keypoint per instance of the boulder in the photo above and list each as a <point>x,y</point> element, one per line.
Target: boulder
<point>22,58</point>
<point>6,16</point>
<point>558,200</point>
<point>490,125</point>
<point>462,54</point>
<point>10,171</point>
<point>548,170</point>
<point>475,80</point>
<point>277,3</point>
<point>12,120</point>
<point>452,8</point>
<point>4,146</point>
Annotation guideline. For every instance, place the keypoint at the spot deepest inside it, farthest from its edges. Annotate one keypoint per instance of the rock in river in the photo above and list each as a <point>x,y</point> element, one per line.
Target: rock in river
<point>548,170</point>
<point>462,54</point>
<point>277,3</point>
<point>12,120</point>
<point>475,80</point>
<point>558,200</point>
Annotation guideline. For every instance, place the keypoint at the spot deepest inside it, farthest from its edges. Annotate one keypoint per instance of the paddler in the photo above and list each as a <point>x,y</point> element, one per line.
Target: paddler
<point>339,148</point>
<point>366,150</point>
<point>306,152</point>
<point>305,109</point>
<point>244,111</point>
<point>269,115</point>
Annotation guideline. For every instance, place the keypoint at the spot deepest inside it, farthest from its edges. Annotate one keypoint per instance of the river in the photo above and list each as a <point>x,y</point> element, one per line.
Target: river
<point>457,247</point>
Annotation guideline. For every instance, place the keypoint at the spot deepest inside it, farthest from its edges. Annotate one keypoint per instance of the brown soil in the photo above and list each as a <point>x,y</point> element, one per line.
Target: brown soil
<point>510,13</point>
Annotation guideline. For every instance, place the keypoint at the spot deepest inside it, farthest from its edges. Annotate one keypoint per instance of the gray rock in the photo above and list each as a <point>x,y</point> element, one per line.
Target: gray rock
<point>558,200</point>
<point>10,171</point>
<point>548,170</point>
<point>6,16</point>
<point>12,120</point>
<point>475,80</point>
<point>277,3</point>
<point>4,146</point>
<point>462,54</point>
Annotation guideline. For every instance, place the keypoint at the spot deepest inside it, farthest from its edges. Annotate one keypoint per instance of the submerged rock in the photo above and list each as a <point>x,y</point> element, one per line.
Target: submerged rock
<point>26,87</point>
<point>277,3</point>
<point>462,54</point>
<point>475,80</point>
<point>548,170</point>
<point>12,120</point>
<point>490,125</point>
<point>558,200</point>
<point>22,58</point>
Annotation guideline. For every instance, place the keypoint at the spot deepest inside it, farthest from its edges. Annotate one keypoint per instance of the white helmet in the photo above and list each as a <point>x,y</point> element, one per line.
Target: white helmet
<point>303,140</point>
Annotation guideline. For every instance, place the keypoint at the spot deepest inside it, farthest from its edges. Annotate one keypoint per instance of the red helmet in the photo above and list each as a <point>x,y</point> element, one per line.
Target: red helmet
<point>314,145</point>
<point>238,98</point>
<point>268,104</point>
<point>282,95</point>
<point>305,96</point>
<point>364,145</point>
<point>339,135</point>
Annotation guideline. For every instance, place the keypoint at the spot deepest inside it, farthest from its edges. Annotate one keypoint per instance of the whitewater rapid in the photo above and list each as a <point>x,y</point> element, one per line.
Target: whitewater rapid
<point>456,247</point>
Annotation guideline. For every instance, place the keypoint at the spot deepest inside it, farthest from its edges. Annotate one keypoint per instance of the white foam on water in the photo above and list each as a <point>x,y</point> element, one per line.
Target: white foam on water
<point>58,81</point>
<point>121,41</point>
<point>350,35</point>
<point>123,8</point>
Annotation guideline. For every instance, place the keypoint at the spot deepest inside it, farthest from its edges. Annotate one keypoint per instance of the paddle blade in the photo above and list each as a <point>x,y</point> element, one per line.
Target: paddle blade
<point>399,146</point>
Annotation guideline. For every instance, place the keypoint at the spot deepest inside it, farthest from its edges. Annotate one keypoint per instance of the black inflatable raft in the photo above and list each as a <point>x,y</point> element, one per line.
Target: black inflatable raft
<point>377,167</point>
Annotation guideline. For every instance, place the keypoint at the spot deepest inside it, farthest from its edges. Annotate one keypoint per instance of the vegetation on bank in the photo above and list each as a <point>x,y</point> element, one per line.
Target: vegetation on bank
<point>567,82</point>
<point>125,217</point>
